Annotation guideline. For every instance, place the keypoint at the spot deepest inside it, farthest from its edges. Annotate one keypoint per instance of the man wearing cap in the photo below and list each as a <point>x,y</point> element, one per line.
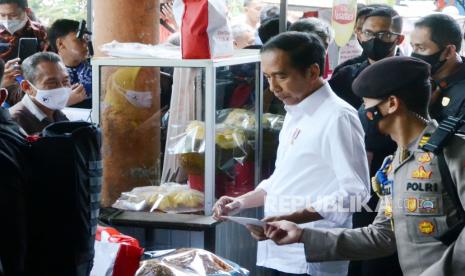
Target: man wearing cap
<point>416,210</point>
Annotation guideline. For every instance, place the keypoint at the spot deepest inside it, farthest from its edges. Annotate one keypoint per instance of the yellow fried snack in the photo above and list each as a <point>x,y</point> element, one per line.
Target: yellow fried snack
<point>188,198</point>
<point>241,118</point>
<point>230,138</point>
<point>196,130</point>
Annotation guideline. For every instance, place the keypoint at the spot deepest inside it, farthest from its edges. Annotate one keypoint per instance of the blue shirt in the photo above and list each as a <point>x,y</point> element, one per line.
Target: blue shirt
<point>82,74</point>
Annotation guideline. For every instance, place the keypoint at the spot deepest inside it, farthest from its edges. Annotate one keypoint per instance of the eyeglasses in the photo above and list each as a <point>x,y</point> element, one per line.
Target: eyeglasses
<point>384,36</point>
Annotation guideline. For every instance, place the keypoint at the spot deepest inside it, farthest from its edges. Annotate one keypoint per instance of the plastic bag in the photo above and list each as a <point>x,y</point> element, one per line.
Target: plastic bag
<point>245,119</point>
<point>115,254</point>
<point>129,50</point>
<point>190,262</point>
<point>272,121</point>
<point>205,32</point>
<point>168,198</point>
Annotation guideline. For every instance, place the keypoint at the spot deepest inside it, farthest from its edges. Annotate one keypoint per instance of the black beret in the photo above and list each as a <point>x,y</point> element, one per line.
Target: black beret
<point>391,76</point>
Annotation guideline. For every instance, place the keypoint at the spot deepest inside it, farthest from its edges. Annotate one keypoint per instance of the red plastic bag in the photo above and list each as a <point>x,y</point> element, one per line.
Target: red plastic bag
<point>205,32</point>
<point>115,254</point>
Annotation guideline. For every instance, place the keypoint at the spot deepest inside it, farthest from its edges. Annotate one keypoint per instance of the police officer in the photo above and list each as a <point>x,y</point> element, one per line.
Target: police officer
<point>415,205</point>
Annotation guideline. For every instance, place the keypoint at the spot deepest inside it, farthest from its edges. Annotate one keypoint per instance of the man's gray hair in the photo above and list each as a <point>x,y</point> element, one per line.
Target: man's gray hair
<point>30,64</point>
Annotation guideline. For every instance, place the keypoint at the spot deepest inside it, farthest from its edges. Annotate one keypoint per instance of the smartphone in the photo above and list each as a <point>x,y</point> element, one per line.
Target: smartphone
<point>27,47</point>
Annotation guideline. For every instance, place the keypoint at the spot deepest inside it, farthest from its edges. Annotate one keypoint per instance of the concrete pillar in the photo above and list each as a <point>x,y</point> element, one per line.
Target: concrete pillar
<point>131,134</point>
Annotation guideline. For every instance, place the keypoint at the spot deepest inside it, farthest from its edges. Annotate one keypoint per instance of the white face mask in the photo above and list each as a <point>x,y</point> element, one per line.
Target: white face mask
<point>55,99</point>
<point>13,25</point>
<point>139,99</point>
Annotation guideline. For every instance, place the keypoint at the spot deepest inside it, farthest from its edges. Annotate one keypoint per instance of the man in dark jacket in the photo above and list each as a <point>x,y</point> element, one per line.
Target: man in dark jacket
<point>437,39</point>
<point>12,195</point>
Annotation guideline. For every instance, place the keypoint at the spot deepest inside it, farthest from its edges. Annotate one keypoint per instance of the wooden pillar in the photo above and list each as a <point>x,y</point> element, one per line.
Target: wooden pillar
<point>131,133</point>
<point>125,21</point>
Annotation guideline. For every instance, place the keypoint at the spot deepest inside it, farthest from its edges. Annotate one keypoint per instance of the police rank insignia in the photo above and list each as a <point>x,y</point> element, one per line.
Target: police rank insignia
<point>425,158</point>
<point>412,204</point>
<point>445,101</point>
<point>424,140</point>
<point>421,173</point>
<point>426,227</point>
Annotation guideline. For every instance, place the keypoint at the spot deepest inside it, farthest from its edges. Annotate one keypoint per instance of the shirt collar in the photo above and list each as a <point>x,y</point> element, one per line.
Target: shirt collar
<point>452,79</point>
<point>33,108</point>
<point>4,115</point>
<point>311,103</point>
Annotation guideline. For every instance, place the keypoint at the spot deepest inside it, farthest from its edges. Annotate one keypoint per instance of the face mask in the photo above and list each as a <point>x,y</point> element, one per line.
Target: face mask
<point>372,116</point>
<point>14,25</point>
<point>376,49</point>
<point>139,99</point>
<point>433,60</point>
<point>54,99</point>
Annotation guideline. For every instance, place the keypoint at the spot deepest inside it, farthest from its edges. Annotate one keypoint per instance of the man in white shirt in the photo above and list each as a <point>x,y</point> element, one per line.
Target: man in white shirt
<point>321,165</point>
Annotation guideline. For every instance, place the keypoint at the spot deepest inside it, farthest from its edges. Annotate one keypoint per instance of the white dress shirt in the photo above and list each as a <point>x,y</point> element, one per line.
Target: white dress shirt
<point>32,107</point>
<point>321,163</point>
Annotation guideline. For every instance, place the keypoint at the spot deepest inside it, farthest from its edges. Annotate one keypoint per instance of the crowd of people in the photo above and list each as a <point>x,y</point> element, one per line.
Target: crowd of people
<point>321,154</point>
<point>57,76</point>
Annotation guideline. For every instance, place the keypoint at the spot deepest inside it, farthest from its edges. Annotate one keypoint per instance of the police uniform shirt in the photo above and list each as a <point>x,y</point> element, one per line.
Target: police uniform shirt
<point>416,205</point>
<point>320,160</point>
<point>451,100</point>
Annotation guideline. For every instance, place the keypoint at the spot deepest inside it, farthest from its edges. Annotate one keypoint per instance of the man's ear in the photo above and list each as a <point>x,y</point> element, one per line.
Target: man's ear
<point>59,43</point>
<point>27,87</point>
<point>450,52</point>
<point>314,71</point>
<point>400,39</point>
<point>3,95</point>
<point>394,104</point>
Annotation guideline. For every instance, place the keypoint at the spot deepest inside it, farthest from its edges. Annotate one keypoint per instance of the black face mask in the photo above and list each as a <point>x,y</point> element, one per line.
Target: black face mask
<point>433,60</point>
<point>373,117</point>
<point>376,49</point>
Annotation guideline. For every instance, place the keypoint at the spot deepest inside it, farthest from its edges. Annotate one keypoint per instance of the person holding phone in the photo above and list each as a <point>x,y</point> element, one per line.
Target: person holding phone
<point>14,25</point>
<point>75,53</point>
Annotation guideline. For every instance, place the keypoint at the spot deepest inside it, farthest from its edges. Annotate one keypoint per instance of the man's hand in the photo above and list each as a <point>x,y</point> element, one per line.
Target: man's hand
<point>12,69</point>
<point>274,218</point>
<point>226,206</point>
<point>257,232</point>
<point>283,232</point>
<point>78,94</point>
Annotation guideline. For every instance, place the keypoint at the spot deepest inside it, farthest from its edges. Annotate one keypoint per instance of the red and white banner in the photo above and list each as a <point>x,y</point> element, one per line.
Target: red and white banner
<point>205,32</point>
<point>343,20</point>
<point>115,254</point>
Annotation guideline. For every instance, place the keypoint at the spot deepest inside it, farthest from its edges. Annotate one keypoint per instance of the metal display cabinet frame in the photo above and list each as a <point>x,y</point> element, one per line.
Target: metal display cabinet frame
<point>210,66</point>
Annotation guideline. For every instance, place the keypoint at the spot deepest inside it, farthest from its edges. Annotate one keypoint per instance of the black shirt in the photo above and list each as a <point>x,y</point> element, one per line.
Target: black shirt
<point>342,79</point>
<point>451,101</point>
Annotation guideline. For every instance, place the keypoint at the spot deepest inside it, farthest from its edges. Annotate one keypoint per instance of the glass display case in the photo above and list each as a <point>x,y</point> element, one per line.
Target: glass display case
<point>180,130</point>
